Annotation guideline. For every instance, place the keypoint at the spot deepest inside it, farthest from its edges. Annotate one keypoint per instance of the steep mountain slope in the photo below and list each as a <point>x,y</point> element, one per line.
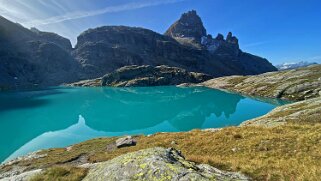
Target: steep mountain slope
<point>28,57</point>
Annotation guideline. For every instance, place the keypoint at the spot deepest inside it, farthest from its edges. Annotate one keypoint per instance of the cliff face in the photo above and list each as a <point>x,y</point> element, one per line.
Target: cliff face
<point>28,57</point>
<point>189,25</point>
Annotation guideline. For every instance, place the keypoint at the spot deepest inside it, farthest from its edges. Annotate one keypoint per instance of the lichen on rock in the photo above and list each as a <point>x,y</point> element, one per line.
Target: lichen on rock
<point>157,164</point>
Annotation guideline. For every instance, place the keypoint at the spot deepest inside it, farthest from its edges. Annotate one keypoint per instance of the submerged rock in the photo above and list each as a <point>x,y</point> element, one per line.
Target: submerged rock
<point>157,164</point>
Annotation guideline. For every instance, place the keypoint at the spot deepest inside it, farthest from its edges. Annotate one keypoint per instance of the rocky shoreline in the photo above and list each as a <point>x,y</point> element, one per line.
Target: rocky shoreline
<point>296,85</point>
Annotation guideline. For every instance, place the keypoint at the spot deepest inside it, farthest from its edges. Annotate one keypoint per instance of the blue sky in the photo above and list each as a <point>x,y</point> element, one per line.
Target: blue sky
<point>279,30</point>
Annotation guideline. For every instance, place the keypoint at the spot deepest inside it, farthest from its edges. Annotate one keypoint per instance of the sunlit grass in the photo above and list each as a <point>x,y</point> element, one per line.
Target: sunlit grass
<point>287,152</point>
<point>61,173</point>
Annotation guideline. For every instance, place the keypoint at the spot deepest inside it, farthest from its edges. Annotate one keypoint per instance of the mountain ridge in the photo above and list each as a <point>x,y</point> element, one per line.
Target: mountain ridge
<point>32,57</point>
<point>294,65</point>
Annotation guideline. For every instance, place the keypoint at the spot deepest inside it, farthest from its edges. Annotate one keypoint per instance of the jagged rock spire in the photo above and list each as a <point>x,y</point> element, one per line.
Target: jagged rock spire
<point>232,39</point>
<point>189,25</point>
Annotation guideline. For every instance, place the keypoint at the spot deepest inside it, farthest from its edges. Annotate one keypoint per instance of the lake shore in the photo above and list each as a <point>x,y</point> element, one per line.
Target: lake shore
<point>282,145</point>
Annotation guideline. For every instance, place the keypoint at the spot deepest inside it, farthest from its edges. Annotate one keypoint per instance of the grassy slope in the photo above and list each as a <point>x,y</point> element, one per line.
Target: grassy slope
<point>288,152</point>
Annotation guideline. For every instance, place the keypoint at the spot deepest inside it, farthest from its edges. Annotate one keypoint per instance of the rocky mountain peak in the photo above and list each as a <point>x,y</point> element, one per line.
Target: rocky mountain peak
<point>231,39</point>
<point>189,25</point>
<point>220,37</point>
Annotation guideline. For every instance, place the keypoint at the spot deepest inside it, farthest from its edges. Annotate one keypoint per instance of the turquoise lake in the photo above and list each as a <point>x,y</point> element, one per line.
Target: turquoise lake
<point>61,116</point>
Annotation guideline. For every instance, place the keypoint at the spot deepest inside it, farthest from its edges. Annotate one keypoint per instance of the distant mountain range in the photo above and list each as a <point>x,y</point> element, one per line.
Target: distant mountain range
<point>30,56</point>
<point>294,65</point>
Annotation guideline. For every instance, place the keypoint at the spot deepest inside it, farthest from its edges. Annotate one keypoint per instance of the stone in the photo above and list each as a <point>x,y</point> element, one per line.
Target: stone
<point>125,142</point>
<point>69,148</point>
<point>157,164</point>
<point>25,176</point>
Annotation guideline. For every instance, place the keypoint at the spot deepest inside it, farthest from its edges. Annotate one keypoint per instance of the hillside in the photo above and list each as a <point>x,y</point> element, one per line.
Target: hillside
<point>297,84</point>
<point>29,58</point>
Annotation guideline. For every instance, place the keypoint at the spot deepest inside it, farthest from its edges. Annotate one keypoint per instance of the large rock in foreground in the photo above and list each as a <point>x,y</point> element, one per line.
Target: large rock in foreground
<point>133,76</point>
<point>157,164</point>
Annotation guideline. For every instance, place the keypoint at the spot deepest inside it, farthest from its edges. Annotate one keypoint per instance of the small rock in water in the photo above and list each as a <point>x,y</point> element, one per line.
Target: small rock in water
<point>125,141</point>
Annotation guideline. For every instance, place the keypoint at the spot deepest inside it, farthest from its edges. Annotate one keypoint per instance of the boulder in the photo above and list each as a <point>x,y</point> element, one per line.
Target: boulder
<point>157,164</point>
<point>125,142</point>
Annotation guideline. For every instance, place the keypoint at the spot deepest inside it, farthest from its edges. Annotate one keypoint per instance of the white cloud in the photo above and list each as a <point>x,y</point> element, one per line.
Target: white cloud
<point>84,14</point>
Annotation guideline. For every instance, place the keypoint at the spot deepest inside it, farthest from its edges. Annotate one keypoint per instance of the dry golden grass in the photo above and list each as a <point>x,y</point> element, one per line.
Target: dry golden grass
<point>61,173</point>
<point>287,152</point>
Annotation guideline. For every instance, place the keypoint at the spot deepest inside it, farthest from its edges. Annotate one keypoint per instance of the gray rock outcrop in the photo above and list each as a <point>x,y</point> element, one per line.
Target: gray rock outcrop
<point>145,75</point>
<point>296,84</point>
<point>125,142</point>
<point>157,164</point>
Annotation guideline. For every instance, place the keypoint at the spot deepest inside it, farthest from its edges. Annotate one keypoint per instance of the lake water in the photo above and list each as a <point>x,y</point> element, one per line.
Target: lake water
<point>58,117</point>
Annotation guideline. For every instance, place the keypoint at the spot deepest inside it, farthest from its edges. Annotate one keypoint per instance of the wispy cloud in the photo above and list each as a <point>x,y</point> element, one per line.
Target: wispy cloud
<point>85,14</point>
<point>255,44</point>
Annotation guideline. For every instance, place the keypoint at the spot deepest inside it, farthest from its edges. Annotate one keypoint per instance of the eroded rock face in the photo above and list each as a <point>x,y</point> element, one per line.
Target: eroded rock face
<point>31,57</point>
<point>189,31</point>
<point>189,25</point>
<point>157,164</point>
